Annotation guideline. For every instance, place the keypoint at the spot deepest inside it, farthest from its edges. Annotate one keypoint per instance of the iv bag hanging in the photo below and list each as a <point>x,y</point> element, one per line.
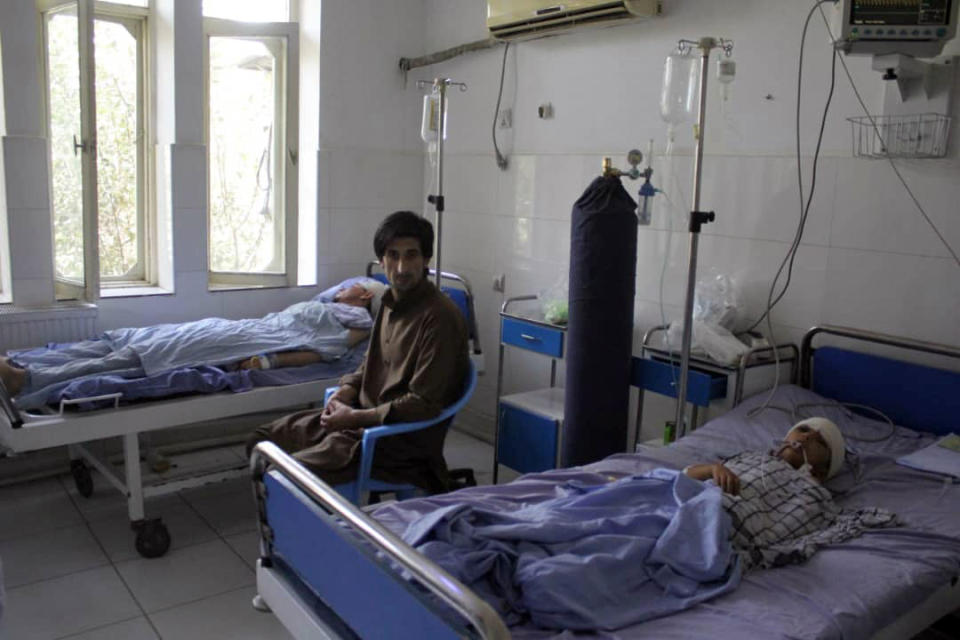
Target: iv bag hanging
<point>726,72</point>
<point>430,122</point>
<point>678,96</point>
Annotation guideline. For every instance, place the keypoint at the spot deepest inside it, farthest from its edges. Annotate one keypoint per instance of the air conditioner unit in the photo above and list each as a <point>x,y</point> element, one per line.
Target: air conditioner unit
<point>527,19</point>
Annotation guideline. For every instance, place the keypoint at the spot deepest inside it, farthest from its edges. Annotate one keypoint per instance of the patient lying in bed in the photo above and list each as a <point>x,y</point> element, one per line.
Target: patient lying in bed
<point>779,510</point>
<point>303,333</point>
<point>645,546</point>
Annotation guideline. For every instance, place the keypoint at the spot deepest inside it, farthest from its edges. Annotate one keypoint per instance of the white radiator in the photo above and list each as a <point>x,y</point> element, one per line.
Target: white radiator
<point>20,328</point>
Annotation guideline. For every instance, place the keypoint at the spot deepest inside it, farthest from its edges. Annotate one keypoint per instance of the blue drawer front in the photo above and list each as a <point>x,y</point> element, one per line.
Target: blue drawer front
<point>532,337</point>
<point>528,442</point>
<point>659,377</point>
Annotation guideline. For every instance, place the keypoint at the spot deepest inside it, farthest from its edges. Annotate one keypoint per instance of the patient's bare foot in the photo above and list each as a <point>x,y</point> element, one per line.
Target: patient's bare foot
<point>13,377</point>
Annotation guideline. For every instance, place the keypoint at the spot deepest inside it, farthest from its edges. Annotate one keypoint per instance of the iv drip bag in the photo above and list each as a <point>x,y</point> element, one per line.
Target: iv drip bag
<point>678,96</point>
<point>431,118</point>
<point>726,72</point>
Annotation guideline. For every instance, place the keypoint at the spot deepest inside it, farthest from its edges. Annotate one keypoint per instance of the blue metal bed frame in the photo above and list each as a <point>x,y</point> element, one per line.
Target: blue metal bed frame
<point>311,537</point>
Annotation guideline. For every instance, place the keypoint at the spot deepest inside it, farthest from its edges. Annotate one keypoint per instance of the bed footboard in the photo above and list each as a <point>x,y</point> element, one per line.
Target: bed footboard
<point>322,558</point>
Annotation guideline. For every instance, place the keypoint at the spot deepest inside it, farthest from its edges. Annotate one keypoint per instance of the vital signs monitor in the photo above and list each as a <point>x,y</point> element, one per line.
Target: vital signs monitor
<point>917,28</point>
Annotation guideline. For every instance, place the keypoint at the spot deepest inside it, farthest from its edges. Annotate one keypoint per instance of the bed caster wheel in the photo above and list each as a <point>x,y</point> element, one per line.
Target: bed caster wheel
<point>82,477</point>
<point>153,539</point>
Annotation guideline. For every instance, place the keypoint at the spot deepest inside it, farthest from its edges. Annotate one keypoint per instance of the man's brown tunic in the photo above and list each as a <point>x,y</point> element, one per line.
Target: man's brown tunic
<point>415,366</point>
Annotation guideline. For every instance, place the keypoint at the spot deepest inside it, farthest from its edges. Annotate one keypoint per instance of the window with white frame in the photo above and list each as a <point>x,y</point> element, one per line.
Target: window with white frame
<point>98,127</point>
<point>252,78</point>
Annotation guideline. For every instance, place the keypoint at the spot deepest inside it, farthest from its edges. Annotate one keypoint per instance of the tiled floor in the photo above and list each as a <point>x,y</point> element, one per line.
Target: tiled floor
<point>71,571</point>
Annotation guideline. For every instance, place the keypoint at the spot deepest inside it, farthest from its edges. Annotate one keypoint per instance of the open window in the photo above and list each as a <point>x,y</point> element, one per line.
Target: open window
<point>95,76</point>
<point>252,80</point>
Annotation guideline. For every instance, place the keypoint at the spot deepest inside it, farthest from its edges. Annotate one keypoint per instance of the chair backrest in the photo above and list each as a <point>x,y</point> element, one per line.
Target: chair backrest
<point>468,388</point>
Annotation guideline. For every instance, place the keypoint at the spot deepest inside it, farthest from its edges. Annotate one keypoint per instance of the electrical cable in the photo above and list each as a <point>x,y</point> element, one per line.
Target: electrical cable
<point>873,123</point>
<point>788,260</point>
<point>501,159</point>
<point>805,207</point>
<point>666,259</point>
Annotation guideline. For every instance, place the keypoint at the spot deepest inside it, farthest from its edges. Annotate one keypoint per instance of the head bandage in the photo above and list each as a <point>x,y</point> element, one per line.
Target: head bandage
<point>377,288</point>
<point>832,436</point>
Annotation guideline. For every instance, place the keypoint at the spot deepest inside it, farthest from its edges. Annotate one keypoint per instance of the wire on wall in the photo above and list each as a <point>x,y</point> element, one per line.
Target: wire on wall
<point>804,207</point>
<point>789,259</point>
<point>501,159</point>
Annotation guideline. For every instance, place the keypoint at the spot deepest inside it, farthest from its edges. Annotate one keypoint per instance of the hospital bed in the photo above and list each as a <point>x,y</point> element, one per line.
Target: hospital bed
<point>22,431</point>
<point>329,570</point>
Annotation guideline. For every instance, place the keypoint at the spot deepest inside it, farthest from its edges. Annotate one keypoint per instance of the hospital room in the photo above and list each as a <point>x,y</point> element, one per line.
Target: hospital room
<point>479,319</point>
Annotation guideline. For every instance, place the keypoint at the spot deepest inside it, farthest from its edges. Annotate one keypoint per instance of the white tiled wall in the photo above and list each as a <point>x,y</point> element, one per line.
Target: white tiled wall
<point>867,258</point>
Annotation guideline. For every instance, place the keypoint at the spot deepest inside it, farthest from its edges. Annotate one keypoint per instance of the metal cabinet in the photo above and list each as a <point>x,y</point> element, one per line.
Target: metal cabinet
<point>658,370</point>
<point>529,426</point>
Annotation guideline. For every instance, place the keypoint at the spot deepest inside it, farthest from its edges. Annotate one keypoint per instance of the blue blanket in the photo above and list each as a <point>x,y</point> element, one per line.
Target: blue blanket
<point>594,557</point>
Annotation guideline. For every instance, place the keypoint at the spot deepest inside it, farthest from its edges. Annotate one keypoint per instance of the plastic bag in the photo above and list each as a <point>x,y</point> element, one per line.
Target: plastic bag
<point>715,314</point>
<point>555,301</point>
<point>715,301</point>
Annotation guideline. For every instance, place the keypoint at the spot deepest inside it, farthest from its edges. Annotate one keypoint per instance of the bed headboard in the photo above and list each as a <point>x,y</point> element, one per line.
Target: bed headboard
<point>913,395</point>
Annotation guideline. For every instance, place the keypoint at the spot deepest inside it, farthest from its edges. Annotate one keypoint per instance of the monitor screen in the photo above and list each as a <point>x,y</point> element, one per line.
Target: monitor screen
<point>900,12</point>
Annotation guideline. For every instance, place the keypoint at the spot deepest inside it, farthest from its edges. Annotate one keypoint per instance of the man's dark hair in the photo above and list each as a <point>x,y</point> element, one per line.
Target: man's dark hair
<point>404,224</point>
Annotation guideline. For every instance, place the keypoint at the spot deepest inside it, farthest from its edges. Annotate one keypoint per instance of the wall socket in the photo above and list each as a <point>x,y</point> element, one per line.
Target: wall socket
<point>505,119</point>
<point>498,282</point>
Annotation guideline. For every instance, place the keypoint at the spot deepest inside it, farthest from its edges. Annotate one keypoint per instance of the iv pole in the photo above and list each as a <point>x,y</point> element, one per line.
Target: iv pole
<point>440,87</point>
<point>697,220</point>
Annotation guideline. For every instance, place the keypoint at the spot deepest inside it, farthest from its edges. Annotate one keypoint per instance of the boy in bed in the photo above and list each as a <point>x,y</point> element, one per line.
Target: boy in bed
<point>780,511</point>
<point>301,334</point>
<point>414,367</point>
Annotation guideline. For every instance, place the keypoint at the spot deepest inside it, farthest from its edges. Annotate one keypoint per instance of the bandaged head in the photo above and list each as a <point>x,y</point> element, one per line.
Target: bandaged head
<point>832,436</point>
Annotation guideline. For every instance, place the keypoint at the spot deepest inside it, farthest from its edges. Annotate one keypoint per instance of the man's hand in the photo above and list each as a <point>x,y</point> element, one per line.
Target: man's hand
<point>337,416</point>
<point>726,479</point>
<point>345,394</point>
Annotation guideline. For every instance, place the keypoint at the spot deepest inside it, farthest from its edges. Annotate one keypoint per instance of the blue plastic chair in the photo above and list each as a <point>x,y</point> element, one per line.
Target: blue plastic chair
<point>359,490</point>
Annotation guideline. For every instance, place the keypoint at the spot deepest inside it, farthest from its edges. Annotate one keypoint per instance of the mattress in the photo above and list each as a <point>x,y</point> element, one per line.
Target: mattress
<point>186,381</point>
<point>847,590</point>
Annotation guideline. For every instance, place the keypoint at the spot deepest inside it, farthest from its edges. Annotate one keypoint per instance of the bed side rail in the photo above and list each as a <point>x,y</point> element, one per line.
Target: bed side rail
<point>267,456</point>
<point>9,410</point>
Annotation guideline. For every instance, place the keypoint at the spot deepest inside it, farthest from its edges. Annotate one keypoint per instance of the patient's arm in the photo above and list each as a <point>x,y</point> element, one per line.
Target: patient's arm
<point>725,479</point>
<point>283,359</point>
<point>300,358</point>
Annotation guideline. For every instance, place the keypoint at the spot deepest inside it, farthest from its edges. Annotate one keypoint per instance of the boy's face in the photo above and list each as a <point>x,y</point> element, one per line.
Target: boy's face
<point>404,264</point>
<point>814,445</point>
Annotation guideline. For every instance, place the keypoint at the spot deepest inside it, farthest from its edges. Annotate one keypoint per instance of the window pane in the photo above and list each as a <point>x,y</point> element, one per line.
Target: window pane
<point>248,10</point>
<point>64,91</point>
<point>246,179</point>
<point>117,156</point>
<point>132,3</point>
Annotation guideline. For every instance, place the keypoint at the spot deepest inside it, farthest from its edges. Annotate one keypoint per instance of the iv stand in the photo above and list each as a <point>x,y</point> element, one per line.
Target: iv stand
<point>697,219</point>
<point>440,86</point>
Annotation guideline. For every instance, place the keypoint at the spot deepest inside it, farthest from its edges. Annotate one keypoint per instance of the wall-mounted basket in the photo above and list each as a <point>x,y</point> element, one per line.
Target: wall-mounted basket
<point>915,136</point>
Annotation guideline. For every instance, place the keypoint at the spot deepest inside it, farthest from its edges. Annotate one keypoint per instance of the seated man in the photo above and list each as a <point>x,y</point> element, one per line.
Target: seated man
<point>415,366</point>
<point>301,334</point>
